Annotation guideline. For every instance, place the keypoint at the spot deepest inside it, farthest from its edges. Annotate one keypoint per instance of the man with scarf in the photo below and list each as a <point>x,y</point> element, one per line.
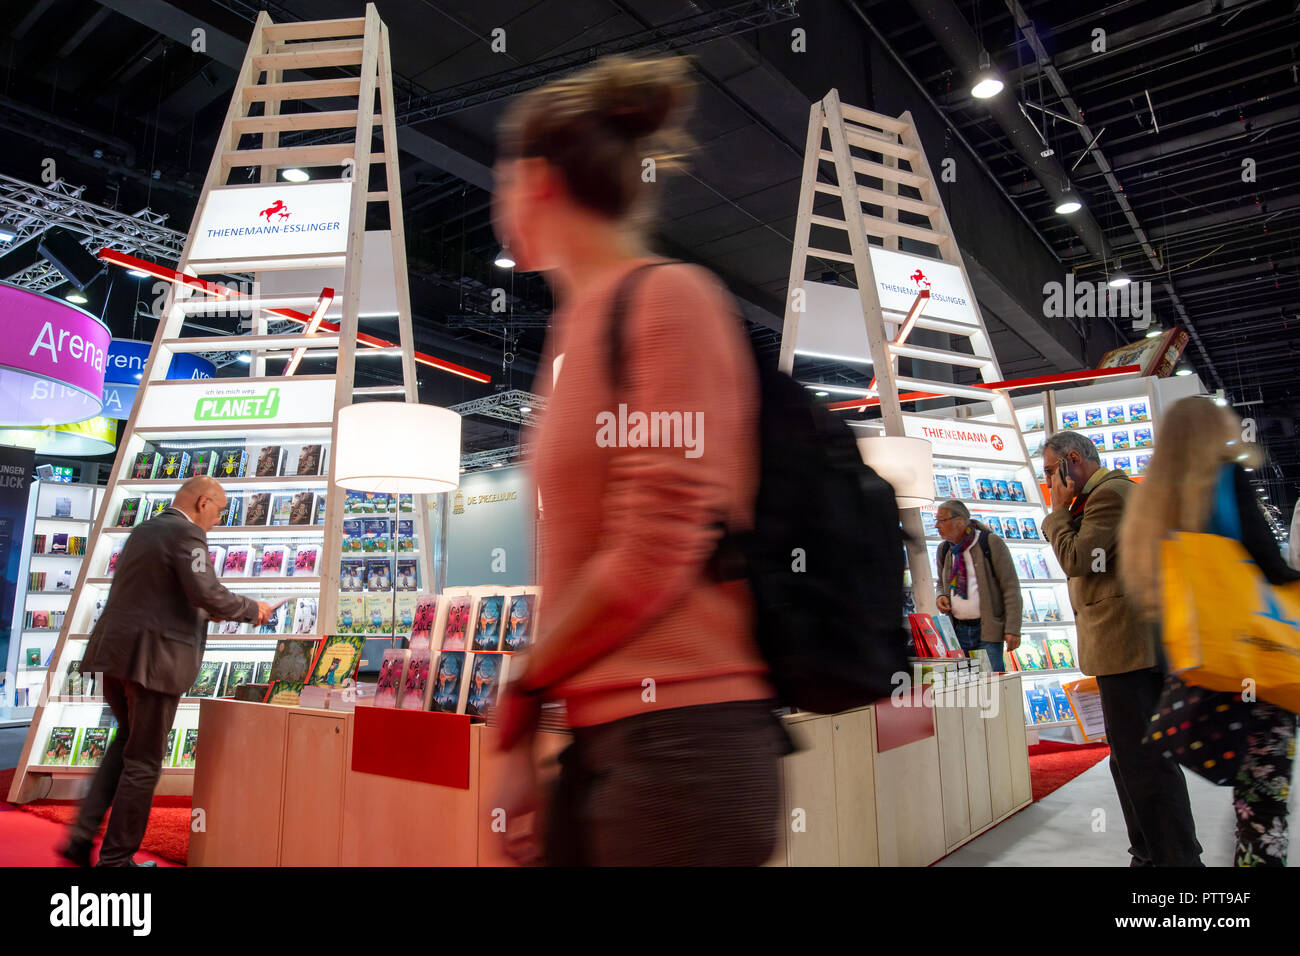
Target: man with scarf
<point>977,584</point>
<point>1117,648</point>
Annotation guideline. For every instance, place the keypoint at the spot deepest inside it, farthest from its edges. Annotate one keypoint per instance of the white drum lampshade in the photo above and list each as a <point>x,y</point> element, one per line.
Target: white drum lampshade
<point>906,463</point>
<point>397,447</point>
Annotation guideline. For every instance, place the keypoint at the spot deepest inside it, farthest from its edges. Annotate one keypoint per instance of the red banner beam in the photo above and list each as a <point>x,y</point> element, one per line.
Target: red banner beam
<point>113,257</point>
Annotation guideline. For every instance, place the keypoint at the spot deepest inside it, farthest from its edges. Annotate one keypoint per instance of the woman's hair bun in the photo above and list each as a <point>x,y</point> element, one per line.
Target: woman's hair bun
<point>638,98</point>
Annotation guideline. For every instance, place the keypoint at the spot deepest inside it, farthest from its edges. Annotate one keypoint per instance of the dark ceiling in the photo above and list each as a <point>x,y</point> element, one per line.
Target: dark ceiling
<point>114,93</point>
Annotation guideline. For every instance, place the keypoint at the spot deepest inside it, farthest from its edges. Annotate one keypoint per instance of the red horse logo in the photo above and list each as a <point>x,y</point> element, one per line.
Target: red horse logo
<point>276,207</point>
<point>996,442</point>
<point>919,278</point>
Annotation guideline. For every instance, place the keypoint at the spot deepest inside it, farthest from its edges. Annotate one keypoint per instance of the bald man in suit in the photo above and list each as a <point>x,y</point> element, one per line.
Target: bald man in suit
<point>148,645</point>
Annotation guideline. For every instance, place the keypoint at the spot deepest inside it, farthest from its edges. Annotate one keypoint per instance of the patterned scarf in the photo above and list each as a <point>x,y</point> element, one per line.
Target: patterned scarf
<point>957,580</point>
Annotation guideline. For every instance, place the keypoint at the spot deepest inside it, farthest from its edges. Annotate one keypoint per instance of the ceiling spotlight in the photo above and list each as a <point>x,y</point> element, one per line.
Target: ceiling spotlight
<point>137,273</point>
<point>1068,203</point>
<point>821,394</point>
<point>1118,280</point>
<point>244,359</point>
<point>496,464</point>
<point>295,175</point>
<point>525,409</point>
<point>77,298</point>
<point>1183,372</point>
<point>986,81</point>
<point>1155,333</point>
<point>1250,469</point>
<point>504,259</point>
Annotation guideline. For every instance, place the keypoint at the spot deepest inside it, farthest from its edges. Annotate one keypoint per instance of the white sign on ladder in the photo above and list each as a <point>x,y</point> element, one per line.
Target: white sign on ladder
<point>276,219</point>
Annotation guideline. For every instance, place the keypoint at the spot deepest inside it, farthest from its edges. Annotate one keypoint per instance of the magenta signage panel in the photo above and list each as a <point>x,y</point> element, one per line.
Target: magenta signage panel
<point>52,357</point>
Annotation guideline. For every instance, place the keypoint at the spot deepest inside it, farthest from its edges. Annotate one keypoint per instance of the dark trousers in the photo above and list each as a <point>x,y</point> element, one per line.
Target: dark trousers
<point>689,786</point>
<point>129,772</point>
<point>1151,787</point>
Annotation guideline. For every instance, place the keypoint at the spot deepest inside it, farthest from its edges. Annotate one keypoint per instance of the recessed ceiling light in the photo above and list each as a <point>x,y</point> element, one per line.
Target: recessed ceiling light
<point>295,175</point>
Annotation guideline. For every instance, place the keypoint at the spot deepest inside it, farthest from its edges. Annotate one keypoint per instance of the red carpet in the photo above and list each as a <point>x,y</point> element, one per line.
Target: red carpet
<point>31,834</point>
<point>1053,764</point>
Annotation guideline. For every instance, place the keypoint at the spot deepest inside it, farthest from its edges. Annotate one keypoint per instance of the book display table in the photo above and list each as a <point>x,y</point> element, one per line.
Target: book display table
<point>877,786</point>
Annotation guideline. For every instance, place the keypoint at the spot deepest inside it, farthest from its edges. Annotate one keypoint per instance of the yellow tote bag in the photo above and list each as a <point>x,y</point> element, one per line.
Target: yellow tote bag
<point>1225,624</point>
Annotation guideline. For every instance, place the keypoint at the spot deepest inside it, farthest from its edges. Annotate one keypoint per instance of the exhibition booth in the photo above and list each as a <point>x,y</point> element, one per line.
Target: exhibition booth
<point>403,588</point>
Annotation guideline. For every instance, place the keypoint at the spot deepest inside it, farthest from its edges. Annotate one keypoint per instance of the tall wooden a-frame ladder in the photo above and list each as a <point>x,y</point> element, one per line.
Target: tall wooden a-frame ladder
<point>268,407</point>
<point>887,153</point>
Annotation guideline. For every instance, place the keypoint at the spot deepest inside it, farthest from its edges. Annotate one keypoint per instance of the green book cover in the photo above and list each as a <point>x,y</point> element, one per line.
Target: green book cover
<point>189,748</point>
<point>284,692</point>
<point>60,747</point>
<point>94,741</point>
<point>292,661</point>
<point>169,755</point>
<point>338,661</point>
<point>208,681</point>
<point>239,672</point>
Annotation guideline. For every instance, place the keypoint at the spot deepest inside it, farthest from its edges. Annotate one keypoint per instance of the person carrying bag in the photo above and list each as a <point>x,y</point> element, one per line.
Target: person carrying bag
<point>1205,568</point>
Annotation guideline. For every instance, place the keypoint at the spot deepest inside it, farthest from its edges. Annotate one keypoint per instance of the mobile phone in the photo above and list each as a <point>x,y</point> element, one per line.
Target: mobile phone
<point>1063,469</point>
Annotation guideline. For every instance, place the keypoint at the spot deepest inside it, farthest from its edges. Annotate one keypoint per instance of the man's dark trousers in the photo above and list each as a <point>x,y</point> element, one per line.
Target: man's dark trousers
<point>129,772</point>
<point>1152,790</point>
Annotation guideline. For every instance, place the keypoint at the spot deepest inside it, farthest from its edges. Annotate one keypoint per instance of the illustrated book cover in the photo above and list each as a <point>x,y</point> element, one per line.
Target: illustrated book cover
<point>426,616</point>
<point>445,691</point>
<point>487,623</point>
<point>338,660</point>
<point>486,674</point>
<point>392,670</point>
<point>293,660</point>
<point>519,622</point>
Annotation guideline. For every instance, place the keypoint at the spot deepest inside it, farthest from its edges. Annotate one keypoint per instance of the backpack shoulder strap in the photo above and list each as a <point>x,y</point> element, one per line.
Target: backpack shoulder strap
<point>618,315</point>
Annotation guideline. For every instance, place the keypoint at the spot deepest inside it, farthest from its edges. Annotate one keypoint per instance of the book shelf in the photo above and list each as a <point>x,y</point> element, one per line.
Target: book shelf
<point>53,509</point>
<point>255,434</point>
<point>1114,407</point>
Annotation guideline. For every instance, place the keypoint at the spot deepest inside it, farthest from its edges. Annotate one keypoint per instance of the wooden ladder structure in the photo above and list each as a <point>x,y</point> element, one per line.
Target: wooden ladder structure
<point>274,51</point>
<point>872,145</point>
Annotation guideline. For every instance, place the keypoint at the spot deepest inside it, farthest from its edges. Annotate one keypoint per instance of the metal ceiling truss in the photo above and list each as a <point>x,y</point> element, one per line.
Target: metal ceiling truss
<point>493,457</point>
<point>508,406</point>
<point>29,210</point>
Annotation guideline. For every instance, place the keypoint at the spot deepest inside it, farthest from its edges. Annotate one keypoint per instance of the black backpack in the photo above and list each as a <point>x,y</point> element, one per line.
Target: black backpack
<point>825,556</point>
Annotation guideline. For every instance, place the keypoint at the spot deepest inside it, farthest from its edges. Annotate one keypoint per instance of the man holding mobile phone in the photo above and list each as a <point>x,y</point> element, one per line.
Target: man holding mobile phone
<point>1116,647</point>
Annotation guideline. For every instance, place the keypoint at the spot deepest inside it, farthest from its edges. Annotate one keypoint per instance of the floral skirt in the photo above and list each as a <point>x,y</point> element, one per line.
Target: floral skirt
<point>1263,786</point>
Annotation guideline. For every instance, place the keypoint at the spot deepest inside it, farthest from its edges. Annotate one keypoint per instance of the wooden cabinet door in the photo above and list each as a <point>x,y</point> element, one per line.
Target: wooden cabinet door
<point>311,816</point>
